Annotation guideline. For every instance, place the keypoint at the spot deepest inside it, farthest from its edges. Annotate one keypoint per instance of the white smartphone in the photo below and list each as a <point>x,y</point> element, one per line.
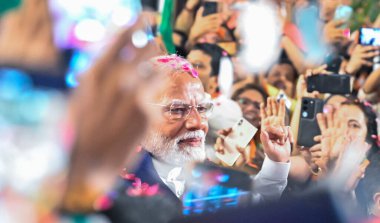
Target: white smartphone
<point>242,132</point>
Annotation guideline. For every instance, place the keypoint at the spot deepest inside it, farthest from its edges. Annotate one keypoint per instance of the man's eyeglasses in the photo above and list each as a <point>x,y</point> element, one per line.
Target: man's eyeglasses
<point>180,110</point>
<point>245,102</point>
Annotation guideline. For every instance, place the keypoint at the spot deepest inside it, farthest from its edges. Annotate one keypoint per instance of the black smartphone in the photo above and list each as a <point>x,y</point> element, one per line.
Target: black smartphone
<point>332,83</point>
<point>333,63</point>
<point>369,36</point>
<point>210,7</point>
<point>308,125</point>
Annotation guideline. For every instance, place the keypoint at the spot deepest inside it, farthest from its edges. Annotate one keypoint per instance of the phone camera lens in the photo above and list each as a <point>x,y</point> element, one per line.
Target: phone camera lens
<point>305,102</point>
<point>304,114</point>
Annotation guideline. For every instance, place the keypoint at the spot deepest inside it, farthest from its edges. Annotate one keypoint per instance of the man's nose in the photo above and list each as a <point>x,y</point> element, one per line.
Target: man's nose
<point>194,120</point>
<point>250,107</point>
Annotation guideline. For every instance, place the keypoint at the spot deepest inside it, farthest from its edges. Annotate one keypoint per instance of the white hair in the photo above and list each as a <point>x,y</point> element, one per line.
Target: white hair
<point>168,150</point>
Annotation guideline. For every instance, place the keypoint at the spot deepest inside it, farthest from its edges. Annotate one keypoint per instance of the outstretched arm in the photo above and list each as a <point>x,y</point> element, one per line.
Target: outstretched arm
<point>271,181</point>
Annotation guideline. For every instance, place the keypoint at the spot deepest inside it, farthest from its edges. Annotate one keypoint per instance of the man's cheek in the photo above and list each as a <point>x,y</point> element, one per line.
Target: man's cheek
<point>205,124</point>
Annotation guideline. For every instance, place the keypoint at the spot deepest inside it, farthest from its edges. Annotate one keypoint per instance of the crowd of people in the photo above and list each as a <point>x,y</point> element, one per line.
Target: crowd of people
<point>141,117</point>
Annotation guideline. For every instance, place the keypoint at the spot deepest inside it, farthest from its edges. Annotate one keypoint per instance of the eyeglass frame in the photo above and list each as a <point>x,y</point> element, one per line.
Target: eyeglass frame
<point>191,107</point>
<point>255,104</point>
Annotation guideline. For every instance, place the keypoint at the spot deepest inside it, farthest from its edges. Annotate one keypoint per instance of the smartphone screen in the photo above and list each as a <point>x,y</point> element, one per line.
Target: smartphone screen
<point>210,8</point>
<point>369,36</point>
<point>308,125</point>
<point>242,133</point>
<point>211,188</point>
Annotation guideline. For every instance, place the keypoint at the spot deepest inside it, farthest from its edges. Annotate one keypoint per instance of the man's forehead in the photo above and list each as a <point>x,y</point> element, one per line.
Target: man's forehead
<point>183,88</point>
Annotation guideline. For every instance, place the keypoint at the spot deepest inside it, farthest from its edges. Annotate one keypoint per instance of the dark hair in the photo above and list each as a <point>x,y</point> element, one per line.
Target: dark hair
<point>369,185</point>
<point>370,115</point>
<point>215,52</point>
<point>346,96</point>
<point>246,87</point>
<point>284,59</point>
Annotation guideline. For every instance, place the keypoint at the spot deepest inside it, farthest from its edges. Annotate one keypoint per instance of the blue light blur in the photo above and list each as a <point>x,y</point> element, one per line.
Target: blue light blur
<point>79,62</point>
<point>223,178</point>
<point>215,198</point>
<point>196,173</point>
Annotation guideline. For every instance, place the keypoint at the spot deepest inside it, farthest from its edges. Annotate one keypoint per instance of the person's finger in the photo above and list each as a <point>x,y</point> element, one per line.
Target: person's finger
<point>330,122</point>
<point>283,139</point>
<point>366,63</point>
<point>220,141</point>
<point>290,135</point>
<point>282,111</point>
<point>321,69</point>
<point>199,13</point>
<point>316,154</point>
<point>225,132</point>
<point>316,148</point>
<point>269,106</point>
<point>275,132</point>
<point>263,114</point>
<point>308,73</point>
<point>321,122</point>
<point>213,17</point>
<point>264,136</point>
<point>337,23</point>
<point>241,150</point>
<point>315,94</point>
<point>367,49</point>
<point>274,107</point>
<point>318,138</point>
<point>370,54</point>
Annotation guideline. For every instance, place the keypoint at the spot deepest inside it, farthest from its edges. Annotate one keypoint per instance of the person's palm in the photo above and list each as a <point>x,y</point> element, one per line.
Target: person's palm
<point>275,149</point>
<point>276,138</point>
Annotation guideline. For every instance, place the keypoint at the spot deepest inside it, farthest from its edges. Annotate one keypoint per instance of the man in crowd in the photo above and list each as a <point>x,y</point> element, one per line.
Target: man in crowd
<point>177,138</point>
<point>205,58</point>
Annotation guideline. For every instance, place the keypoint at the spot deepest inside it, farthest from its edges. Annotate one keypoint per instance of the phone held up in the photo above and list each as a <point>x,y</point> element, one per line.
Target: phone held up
<point>369,36</point>
<point>210,7</point>
<point>331,83</point>
<point>242,133</point>
<point>308,125</point>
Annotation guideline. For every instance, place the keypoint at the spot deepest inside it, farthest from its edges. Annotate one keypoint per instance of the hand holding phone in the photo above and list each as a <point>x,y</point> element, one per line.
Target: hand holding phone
<point>329,83</point>
<point>239,137</point>
<point>308,125</point>
<point>210,7</point>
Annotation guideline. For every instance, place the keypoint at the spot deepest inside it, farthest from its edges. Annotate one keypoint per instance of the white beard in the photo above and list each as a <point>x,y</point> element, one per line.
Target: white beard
<point>169,151</point>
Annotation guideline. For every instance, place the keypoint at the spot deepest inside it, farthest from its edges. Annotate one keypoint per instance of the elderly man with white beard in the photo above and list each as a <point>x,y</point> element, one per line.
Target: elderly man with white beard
<point>152,191</point>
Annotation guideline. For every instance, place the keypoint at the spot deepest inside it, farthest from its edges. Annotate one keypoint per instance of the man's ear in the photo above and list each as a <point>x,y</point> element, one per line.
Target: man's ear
<point>376,203</point>
<point>376,200</point>
<point>212,86</point>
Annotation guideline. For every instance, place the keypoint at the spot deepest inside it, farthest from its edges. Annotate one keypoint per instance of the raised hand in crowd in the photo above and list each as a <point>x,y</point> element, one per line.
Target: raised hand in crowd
<point>371,85</point>
<point>301,91</point>
<point>275,136</point>
<point>203,25</point>
<point>351,164</point>
<point>185,19</point>
<point>333,34</point>
<point>109,118</point>
<point>331,142</point>
<point>361,56</point>
<point>26,37</point>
